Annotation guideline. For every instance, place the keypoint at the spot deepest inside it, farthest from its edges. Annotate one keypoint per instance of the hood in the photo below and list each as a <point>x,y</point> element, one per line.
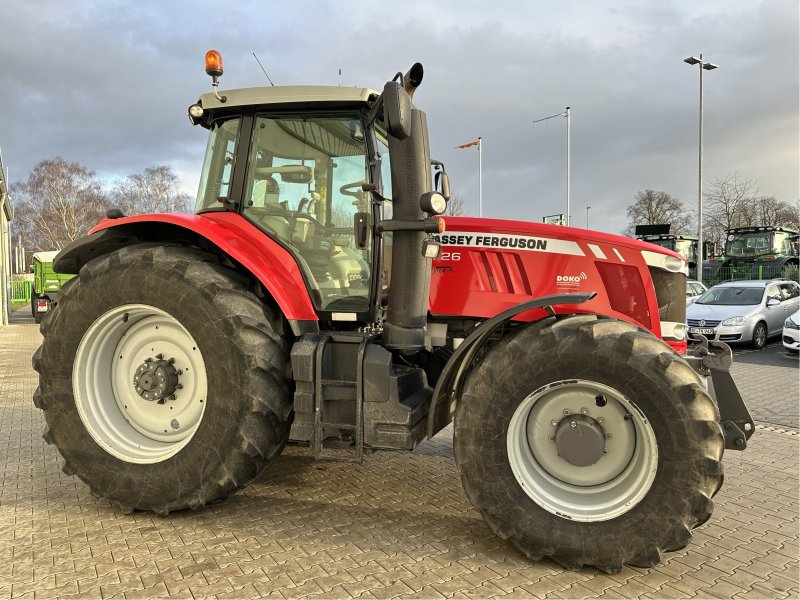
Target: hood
<point>718,312</point>
<point>505,226</point>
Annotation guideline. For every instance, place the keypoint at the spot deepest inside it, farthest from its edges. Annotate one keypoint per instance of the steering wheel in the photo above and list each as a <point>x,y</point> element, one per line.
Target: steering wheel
<point>353,189</point>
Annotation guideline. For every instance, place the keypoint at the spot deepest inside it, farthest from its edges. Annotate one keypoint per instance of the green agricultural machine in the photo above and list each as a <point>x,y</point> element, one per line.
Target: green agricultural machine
<point>755,252</point>
<point>46,283</point>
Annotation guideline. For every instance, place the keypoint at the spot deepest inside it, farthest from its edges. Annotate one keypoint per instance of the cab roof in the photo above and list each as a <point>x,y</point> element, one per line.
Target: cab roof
<point>287,94</point>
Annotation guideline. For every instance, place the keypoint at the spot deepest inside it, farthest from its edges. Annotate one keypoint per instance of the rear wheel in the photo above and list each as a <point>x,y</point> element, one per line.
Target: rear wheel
<point>163,379</point>
<point>759,336</point>
<point>589,441</point>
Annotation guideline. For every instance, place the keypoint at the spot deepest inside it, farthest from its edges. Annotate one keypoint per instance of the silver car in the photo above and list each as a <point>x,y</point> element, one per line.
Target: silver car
<point>744,311</point>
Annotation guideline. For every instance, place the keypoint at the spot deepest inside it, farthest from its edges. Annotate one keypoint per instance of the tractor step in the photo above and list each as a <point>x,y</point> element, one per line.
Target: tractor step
<point>339,400</point>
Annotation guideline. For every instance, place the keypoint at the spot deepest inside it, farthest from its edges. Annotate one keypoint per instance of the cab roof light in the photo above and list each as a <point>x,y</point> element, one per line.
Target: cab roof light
<point>214,69</point>
<point>214,63</point>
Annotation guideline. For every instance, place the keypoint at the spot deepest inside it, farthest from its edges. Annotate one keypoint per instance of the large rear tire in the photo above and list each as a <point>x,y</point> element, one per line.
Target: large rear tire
<point>163,379</point>
<point>588,441</point>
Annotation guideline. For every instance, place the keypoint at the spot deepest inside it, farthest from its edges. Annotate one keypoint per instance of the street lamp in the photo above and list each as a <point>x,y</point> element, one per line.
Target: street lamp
<point>704,66</point>
<point>569,142</point>
<point>587,216</point>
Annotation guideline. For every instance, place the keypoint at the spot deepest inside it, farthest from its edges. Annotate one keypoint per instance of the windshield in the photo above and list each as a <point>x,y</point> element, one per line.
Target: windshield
<point>732,296</point>
<point>215,179</point>
<point>304,188</point>
<point>756,243</point>
<point>686,249</point>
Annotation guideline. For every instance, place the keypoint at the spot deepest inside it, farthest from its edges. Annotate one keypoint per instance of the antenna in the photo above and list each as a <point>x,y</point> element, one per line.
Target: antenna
<point>262,68</point>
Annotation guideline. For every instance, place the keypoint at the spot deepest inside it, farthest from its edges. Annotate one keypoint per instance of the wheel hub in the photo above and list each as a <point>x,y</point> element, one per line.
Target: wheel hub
<point>157,379</point>
<point>580,440</point>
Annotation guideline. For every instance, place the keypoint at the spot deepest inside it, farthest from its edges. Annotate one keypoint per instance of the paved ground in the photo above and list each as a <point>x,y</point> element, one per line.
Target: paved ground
<point>397,525</point>
<point>768,380</point>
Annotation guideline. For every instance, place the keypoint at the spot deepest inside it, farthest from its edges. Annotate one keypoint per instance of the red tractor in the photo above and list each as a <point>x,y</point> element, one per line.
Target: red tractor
<point>316,296</point>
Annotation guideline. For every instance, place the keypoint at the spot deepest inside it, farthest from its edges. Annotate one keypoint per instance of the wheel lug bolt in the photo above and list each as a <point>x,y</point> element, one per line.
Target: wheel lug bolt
<point>566,411</point>
<point>160,356</point>
<point>600,420</point>
<point>584,411</point>
<point>605,450</point>
<point>552,438</point>
<point>554,422</point>
<point>608,436</point>
<point>573,424</point>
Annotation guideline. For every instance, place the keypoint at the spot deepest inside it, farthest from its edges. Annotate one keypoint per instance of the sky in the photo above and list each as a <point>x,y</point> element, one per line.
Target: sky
<point>107,84</point>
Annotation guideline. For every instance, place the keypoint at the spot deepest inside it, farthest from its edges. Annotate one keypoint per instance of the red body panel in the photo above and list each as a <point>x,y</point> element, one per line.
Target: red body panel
<point>489,265</point>
<point>269,262</point>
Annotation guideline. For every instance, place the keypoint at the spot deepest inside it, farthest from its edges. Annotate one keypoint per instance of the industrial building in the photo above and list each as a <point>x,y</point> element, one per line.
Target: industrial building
<point>5,249</point>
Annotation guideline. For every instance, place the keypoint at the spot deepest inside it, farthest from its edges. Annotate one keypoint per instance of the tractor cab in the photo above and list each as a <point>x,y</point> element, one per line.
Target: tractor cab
<point>298,178</point>
<point>310,167</point>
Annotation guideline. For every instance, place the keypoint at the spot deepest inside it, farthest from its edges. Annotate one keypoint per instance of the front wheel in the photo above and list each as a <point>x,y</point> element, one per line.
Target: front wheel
<point>759,336</point>
<point>588,441</point>
<point>163,379</point>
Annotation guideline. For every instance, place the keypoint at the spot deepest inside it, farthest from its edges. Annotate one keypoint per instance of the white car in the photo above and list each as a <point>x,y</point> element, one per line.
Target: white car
<point>694,289</point>
<point>791,332</point>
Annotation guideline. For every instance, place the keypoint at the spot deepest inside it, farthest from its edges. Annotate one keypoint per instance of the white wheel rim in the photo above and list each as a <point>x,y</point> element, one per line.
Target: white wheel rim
<point>614,484</point>
<point>119,419</point>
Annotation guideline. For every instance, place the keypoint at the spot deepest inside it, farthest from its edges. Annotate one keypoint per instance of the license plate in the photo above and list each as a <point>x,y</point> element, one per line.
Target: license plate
<point>41,307</point>
<point>702,330</point>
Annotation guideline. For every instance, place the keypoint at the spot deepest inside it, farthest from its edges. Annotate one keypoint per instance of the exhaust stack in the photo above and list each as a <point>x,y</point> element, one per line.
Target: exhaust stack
<point>404,328</point>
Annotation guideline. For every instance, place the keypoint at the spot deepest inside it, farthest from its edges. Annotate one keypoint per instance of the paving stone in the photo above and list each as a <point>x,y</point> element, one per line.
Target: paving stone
<point>398,525</point>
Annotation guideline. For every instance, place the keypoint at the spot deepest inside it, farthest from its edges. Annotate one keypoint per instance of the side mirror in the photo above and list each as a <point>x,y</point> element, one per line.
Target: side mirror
<point>773,302</point>
<point>442,184</point>
<point>396,110</point>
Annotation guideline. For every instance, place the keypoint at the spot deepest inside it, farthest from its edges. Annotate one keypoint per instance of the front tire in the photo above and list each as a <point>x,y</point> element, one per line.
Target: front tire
<point>163,379</point>
<point>588,441</point>
<point>759,336</point>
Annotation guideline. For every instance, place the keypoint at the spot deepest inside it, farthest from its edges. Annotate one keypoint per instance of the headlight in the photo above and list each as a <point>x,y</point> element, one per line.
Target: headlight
<point>433,203</point>
<point>734,321</point>
<point>789,324</point>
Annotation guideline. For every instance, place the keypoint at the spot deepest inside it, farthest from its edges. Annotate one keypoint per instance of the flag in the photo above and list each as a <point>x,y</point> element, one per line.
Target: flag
<point>467,145</point>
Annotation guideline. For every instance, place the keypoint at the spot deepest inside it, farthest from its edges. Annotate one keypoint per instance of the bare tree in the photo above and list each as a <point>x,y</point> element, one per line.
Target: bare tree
<point>651,207</point>
<point>771,211</point>
<point>455,206</point>
<point>728,202</point>
<point>735,202</point>
<point>59,202</point>
<point>155,190</point>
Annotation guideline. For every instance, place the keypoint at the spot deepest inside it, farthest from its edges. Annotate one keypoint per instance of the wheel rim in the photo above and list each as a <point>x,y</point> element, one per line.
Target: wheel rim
<point>581,450</point>
<point>760,335</point>
<point>139,382</point>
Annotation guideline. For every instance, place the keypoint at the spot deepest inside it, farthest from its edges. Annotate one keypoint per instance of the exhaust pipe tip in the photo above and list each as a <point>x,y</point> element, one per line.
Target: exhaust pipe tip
<point>412,79</point>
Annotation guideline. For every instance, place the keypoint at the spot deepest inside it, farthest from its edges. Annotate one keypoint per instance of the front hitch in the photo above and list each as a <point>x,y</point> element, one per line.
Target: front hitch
<point>713,360</point>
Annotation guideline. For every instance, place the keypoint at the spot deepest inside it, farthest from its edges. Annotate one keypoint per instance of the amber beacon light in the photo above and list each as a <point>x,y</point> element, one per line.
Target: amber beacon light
<point>214,63</point>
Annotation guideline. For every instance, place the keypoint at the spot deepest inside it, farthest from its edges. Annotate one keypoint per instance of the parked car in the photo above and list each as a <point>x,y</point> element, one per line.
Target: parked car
<point>748,311</point>
<point>791,332</point>
<point>694,289</point>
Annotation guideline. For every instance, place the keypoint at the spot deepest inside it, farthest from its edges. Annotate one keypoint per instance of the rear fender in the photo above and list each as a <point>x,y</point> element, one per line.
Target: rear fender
<point>449,384</point>
<point>225,234</point>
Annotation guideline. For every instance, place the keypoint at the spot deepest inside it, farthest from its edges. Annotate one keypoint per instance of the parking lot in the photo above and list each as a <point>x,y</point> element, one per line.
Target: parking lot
<point>397,525</point>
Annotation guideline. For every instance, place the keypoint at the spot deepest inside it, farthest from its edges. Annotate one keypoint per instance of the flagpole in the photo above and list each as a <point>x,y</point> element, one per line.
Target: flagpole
<point>566,114</point>
<point>479,144</point>
<point>480,177</point>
